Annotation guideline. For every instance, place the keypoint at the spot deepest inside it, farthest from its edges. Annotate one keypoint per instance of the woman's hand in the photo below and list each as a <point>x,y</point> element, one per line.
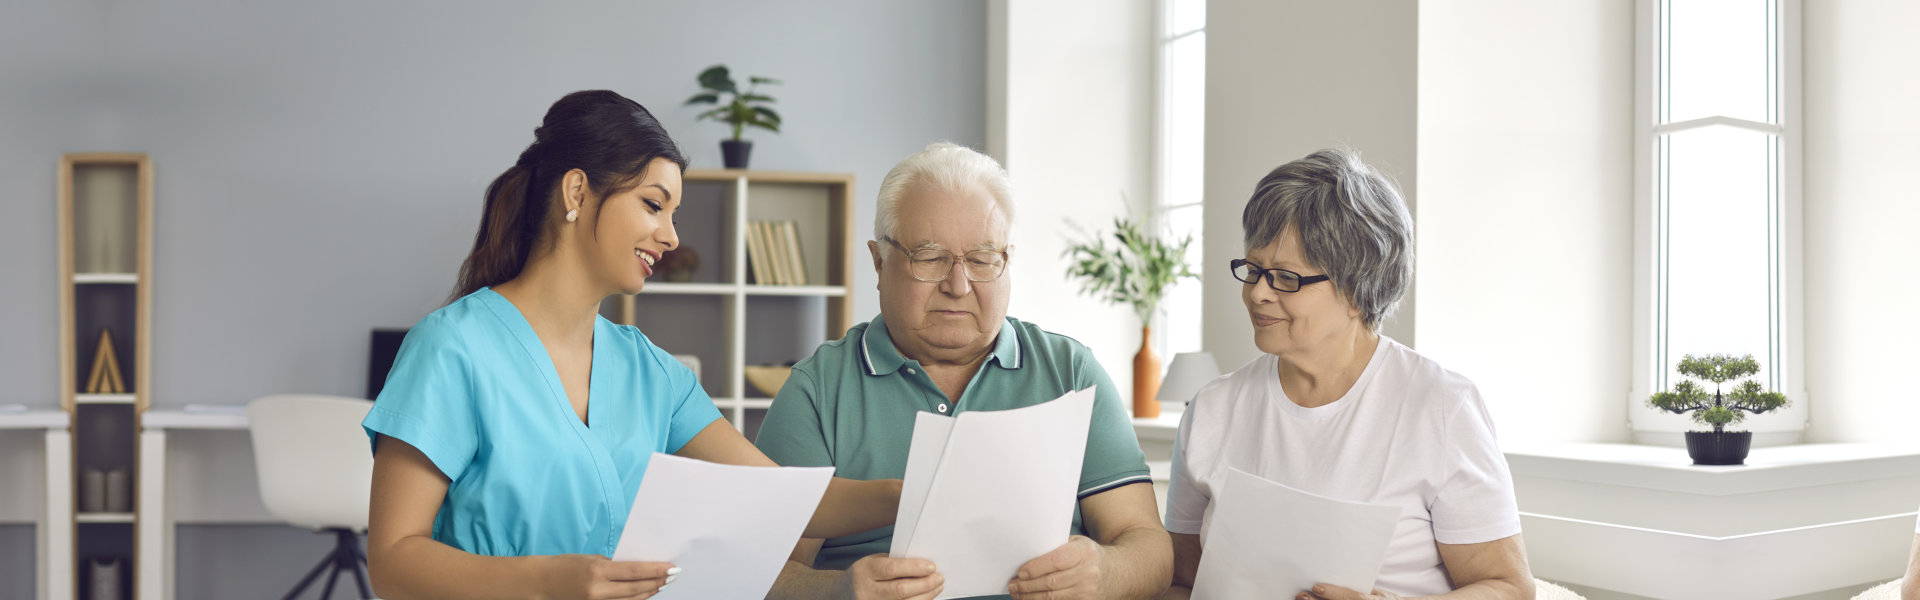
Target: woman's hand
<point>594,577</point>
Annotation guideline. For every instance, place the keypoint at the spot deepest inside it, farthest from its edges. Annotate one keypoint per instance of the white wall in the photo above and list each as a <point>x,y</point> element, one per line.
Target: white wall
<point>1862,145</point>
<point>1286,78</point>
<point>1526,214</point>
<point>1070,113</point>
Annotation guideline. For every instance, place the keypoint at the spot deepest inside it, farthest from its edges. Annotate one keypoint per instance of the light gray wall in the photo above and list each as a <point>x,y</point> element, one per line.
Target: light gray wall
<point>319,166</point>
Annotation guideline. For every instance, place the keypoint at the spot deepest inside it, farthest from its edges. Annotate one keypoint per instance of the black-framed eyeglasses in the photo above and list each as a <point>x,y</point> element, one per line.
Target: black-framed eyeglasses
<point>1278,279</point>
<point>934,265</point>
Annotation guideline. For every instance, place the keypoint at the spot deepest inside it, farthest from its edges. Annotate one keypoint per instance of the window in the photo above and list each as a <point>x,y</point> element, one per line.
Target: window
<point>1180,152</point>
<point>1719,142</point>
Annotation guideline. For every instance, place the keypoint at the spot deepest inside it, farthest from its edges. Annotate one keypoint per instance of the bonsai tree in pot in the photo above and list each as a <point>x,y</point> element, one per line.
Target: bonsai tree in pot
<point>738,108</point>
<point>1134,272</point>
<point>1719,446</point>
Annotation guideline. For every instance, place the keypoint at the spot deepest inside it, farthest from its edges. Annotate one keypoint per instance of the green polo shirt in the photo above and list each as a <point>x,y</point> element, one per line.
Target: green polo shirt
<point>851,406</point>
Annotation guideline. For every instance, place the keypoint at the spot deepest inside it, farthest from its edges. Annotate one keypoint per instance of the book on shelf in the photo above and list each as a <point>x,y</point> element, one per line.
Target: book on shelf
<point>756,253</point>
<point>795,264</point>
<point>776,240</point>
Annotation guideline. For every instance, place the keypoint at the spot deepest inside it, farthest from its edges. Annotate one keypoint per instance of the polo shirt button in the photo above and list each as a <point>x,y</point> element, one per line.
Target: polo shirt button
<point>943,409</point>
<point>910,371</point>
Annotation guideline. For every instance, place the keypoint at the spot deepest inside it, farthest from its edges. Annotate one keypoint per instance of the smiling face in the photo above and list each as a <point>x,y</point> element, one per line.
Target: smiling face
<point>955,320</point>
<point>632,228</point>
<point>1297,323</point>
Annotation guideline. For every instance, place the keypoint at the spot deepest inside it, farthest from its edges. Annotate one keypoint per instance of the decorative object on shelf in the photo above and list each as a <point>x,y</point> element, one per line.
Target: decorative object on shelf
<point>1718,447</point>
<point>1135,273</point>
<point>119,493</point>
<point>105,376</point>
<point>678,264</point>
<point>739,109</point>
<point>93,491</point>
<point>1185,375</point>
<point>103,577</point>
<point>768,378</point>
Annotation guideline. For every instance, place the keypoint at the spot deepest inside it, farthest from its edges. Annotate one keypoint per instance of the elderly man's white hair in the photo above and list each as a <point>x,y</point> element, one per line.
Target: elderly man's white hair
<point>945,167</point>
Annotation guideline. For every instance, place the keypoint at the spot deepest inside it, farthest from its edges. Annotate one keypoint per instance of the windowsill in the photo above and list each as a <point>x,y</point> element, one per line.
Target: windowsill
<point>1163,428</point>
<point>1669,469</point>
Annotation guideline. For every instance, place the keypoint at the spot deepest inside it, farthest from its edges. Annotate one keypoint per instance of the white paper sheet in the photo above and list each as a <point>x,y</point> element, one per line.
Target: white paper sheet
<point>729,528</point>
<point>985,492</point>
<point>1267,540</point>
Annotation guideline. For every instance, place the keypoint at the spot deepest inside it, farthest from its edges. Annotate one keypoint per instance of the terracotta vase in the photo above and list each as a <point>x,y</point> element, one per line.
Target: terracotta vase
<point>1146,378</point>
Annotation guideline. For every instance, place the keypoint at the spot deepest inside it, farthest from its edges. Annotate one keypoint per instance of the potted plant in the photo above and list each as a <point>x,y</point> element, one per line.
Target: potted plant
<point>739,109</point>
<point>1133,272</point>
<point>1718,447</point>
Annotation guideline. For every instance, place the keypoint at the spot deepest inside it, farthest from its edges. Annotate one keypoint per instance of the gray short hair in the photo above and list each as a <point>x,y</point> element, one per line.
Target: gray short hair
<point>1352,223</point>
<point>947,167</point>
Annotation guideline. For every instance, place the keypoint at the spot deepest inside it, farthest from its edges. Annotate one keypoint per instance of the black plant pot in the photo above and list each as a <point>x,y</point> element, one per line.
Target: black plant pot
<point>1723,448</point>
<point>735,152</point>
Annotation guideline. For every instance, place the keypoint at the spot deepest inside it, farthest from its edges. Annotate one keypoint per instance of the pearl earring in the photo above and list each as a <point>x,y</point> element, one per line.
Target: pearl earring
<point>573,215</point>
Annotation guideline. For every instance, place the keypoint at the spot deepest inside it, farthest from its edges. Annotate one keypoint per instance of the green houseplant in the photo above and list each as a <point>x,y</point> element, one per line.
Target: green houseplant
<point>737,108</point>
<point>1720,409</point>
<point>1135,271</point>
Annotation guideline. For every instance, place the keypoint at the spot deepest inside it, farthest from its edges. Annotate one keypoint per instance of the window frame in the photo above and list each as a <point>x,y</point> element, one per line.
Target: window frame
<point>1160,205</point>
<point>1652,426</point>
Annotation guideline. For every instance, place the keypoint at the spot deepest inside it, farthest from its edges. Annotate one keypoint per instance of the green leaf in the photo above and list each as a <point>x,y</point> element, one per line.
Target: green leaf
<point>717,78</point>
<point>703,98</point>
<point>767,114</point>
<point>759,80</point>
<point>752,97</point>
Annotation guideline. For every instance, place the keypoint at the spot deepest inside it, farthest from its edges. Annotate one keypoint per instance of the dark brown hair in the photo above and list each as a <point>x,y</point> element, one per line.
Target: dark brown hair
<point>610,138</point>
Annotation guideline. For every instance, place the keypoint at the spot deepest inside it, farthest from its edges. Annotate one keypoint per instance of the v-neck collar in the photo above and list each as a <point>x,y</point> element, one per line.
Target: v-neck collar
<point>516,322</point>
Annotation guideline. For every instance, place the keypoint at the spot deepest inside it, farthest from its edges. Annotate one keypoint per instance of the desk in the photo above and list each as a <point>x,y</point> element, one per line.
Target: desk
<point>53,523</point>
<point>155,535</point>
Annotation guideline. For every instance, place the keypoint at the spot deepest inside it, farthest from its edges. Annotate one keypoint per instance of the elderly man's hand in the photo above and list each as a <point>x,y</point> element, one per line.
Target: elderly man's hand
<point>879,577</point>
<point>1069,572</point>
<point>1328,591</point>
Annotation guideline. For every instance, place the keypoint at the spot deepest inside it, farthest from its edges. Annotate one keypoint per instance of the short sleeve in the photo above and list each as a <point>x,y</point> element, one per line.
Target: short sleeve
<point>793,434</point>
<point>1186,500</point>
<point>1113,456</point>
<point>428,400</point>
<point>693,409</point>
<point>1475,501</point>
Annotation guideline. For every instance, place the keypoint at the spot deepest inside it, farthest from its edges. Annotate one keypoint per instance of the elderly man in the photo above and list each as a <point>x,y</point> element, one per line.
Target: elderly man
<point>943,343</point>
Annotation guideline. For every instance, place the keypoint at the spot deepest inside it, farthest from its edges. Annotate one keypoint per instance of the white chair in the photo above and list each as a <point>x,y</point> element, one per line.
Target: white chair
<point>315,471</point>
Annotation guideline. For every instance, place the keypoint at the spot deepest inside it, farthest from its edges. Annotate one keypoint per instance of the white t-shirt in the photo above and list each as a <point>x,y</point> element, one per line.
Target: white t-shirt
<point>1409,433</point>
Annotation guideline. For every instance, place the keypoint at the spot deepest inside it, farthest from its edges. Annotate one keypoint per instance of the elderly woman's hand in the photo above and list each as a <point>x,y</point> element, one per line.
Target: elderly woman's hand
<point>1328,591</point>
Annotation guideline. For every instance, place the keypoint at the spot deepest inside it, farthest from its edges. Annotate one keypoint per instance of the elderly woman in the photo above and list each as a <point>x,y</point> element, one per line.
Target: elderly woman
<point>1335,409</point>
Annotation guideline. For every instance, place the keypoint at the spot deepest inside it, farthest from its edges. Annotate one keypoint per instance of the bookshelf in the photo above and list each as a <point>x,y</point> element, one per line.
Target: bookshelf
<point>725,315</point>
<point>105,221</point>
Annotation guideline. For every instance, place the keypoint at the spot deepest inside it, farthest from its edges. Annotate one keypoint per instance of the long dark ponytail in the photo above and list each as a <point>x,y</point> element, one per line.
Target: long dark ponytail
<point>610,138</point>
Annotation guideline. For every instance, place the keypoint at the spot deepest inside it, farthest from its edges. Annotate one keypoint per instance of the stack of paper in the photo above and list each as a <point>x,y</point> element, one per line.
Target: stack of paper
<point>728,528</point>
<point>1267,540</point>
<point>986,492</point>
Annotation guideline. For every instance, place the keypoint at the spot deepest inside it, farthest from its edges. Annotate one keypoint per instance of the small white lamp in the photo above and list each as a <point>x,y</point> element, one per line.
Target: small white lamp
<point>1188,372</point>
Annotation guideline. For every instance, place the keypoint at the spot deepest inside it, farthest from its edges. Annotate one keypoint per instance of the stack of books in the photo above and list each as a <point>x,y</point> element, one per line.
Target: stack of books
<point>773,253</point>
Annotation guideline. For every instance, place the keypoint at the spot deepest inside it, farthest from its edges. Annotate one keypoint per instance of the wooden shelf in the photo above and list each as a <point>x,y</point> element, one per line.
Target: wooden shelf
<point>102,278</point>
<point>87,517</point>
<point>695,289</point>
<point>824,291</point>
<point>104,399</point>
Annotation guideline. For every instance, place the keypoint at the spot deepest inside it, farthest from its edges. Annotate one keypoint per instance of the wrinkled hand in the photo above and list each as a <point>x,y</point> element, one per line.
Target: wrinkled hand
<point>1069,572</point>
<point>595,577</point>
<point>1328,591</point>
<point>880,577</point>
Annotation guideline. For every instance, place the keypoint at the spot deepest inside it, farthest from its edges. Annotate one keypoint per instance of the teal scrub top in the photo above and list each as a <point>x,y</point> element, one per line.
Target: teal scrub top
<point>473,388</point>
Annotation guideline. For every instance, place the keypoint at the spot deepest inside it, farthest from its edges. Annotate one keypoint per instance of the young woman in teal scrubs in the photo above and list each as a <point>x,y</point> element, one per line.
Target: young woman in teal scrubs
<point>514,429</point>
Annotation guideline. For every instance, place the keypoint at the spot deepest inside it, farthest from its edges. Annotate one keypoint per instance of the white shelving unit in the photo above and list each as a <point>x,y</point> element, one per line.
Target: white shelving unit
<point>723,315</point>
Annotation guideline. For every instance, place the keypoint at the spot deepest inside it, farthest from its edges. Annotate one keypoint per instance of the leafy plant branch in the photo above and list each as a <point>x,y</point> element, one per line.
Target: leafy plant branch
<point>1135,270</point>
<point>737,108</point>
